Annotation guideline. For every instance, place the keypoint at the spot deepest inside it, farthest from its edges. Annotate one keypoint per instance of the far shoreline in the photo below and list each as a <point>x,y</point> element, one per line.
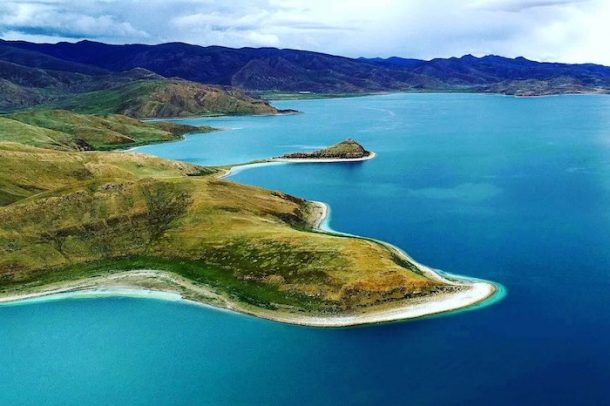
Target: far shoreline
<point>330,96</point>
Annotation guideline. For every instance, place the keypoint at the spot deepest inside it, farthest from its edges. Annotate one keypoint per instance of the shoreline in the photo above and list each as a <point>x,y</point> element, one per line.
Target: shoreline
<point>330,96</point>
<point>119,286</point>
<point>281,112</point>
<point>164,285</point>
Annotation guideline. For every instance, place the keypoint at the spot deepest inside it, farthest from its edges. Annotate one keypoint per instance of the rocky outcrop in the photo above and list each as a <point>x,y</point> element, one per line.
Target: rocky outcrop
<point>348,149</point>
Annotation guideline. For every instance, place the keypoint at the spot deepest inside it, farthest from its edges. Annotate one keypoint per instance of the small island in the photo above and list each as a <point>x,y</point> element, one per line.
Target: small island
<point>348,150</point>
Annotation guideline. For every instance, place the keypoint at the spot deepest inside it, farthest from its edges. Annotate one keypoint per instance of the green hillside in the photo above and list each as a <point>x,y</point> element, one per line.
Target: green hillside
<point>165,98</point>
<point>60,129</point>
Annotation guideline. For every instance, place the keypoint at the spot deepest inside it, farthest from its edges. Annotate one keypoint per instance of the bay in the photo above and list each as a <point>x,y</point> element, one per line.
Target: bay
<point>514,190</point>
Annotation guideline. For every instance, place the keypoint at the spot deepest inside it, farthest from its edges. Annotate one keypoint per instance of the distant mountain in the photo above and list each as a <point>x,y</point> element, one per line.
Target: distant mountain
<point>470,70</point>
<point>136,92</point>
<point>394,62</point>
<point>26,57</point>
<point>287,70</point>
<point>247,68</point>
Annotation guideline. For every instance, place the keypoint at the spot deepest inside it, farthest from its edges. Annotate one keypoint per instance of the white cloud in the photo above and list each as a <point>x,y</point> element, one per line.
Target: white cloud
<point>562,30</point>
<point>51,18</point>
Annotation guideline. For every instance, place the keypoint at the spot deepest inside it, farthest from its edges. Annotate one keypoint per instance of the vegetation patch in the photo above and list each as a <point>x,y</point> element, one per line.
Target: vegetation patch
<point>66,130</point>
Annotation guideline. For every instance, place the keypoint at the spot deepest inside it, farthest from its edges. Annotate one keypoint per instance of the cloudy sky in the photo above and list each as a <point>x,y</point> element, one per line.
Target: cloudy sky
<point>550,30</point>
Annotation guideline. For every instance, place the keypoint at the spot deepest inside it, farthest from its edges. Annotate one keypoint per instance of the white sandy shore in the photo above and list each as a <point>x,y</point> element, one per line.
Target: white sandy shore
<point>77,292</point>
<point>474,294</point>
<point>234,170</point>
<point>170,287</point>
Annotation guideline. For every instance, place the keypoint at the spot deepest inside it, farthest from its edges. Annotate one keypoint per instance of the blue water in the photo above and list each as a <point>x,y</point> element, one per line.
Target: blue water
<point>511,190</point>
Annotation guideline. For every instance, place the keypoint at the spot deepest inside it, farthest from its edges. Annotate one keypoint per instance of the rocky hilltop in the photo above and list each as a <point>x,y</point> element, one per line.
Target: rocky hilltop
<point>348,149</point>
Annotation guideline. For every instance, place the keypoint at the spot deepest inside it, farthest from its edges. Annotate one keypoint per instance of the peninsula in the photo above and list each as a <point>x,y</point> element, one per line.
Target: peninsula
<point>74,221</point>
<point>76,216</point>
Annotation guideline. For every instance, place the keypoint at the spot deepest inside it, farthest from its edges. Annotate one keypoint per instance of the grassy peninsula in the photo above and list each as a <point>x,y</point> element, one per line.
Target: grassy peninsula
<point>75,217</point>
<point>68,215</point>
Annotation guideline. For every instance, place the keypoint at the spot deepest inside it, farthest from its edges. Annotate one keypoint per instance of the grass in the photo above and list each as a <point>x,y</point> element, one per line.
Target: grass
<point>164,98</point>
<point>254,293</point>
<point>61,129</point>
<point>68,214</point>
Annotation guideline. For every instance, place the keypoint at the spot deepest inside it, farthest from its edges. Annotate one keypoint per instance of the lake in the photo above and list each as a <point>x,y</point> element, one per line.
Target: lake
<point>513,190</point>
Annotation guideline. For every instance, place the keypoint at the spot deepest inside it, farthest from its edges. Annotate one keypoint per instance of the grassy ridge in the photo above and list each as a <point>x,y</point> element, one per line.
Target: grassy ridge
<point>27,171</point>
<point>60,129</point>
<point>68,214</point>
<point>165,98</point>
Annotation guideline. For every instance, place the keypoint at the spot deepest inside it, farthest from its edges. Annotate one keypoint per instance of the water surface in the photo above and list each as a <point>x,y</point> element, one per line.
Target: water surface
<point>512,190</point>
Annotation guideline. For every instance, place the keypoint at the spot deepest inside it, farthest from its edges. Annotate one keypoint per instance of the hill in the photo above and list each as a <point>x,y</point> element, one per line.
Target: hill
<point>20,55</point>
<point>348,149</point>
<point>28,79</point>
<point>163,99</point>
<point>271,69</point>
<point>65,130</point>
<point>497,74</point>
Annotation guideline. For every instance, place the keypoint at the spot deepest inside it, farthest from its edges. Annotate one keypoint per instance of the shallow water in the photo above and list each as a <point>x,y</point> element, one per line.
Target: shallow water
<point>512,190</point>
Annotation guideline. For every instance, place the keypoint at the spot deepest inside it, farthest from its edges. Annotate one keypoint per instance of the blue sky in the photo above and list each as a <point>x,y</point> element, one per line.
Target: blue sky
<point>551,30</point>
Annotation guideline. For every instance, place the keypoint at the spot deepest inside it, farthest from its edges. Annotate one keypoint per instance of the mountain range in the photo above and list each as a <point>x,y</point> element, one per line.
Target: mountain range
<point>177,79</point>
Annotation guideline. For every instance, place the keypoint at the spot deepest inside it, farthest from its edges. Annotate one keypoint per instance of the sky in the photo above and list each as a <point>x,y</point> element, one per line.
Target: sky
<point>572,31</point>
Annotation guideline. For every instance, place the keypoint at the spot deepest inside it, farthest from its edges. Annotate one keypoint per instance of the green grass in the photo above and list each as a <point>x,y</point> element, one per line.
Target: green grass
<point>251,292</point>
<point>163,98</point>
<point>109,101</point>
<point>61,129</point>
<point>23,133</point>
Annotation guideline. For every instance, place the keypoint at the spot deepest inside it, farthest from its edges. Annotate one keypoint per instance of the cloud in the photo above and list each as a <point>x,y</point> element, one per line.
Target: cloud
<point>560,30</point>
<point>53,19</point>
<point>219,21</point>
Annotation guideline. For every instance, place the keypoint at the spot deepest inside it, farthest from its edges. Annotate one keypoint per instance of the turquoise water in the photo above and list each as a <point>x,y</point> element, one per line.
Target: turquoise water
<point>511,190</point>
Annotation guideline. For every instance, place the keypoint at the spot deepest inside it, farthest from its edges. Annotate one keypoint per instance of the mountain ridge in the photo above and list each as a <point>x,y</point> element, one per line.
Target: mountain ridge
<point>136,92</point>
<point>273,69</point>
